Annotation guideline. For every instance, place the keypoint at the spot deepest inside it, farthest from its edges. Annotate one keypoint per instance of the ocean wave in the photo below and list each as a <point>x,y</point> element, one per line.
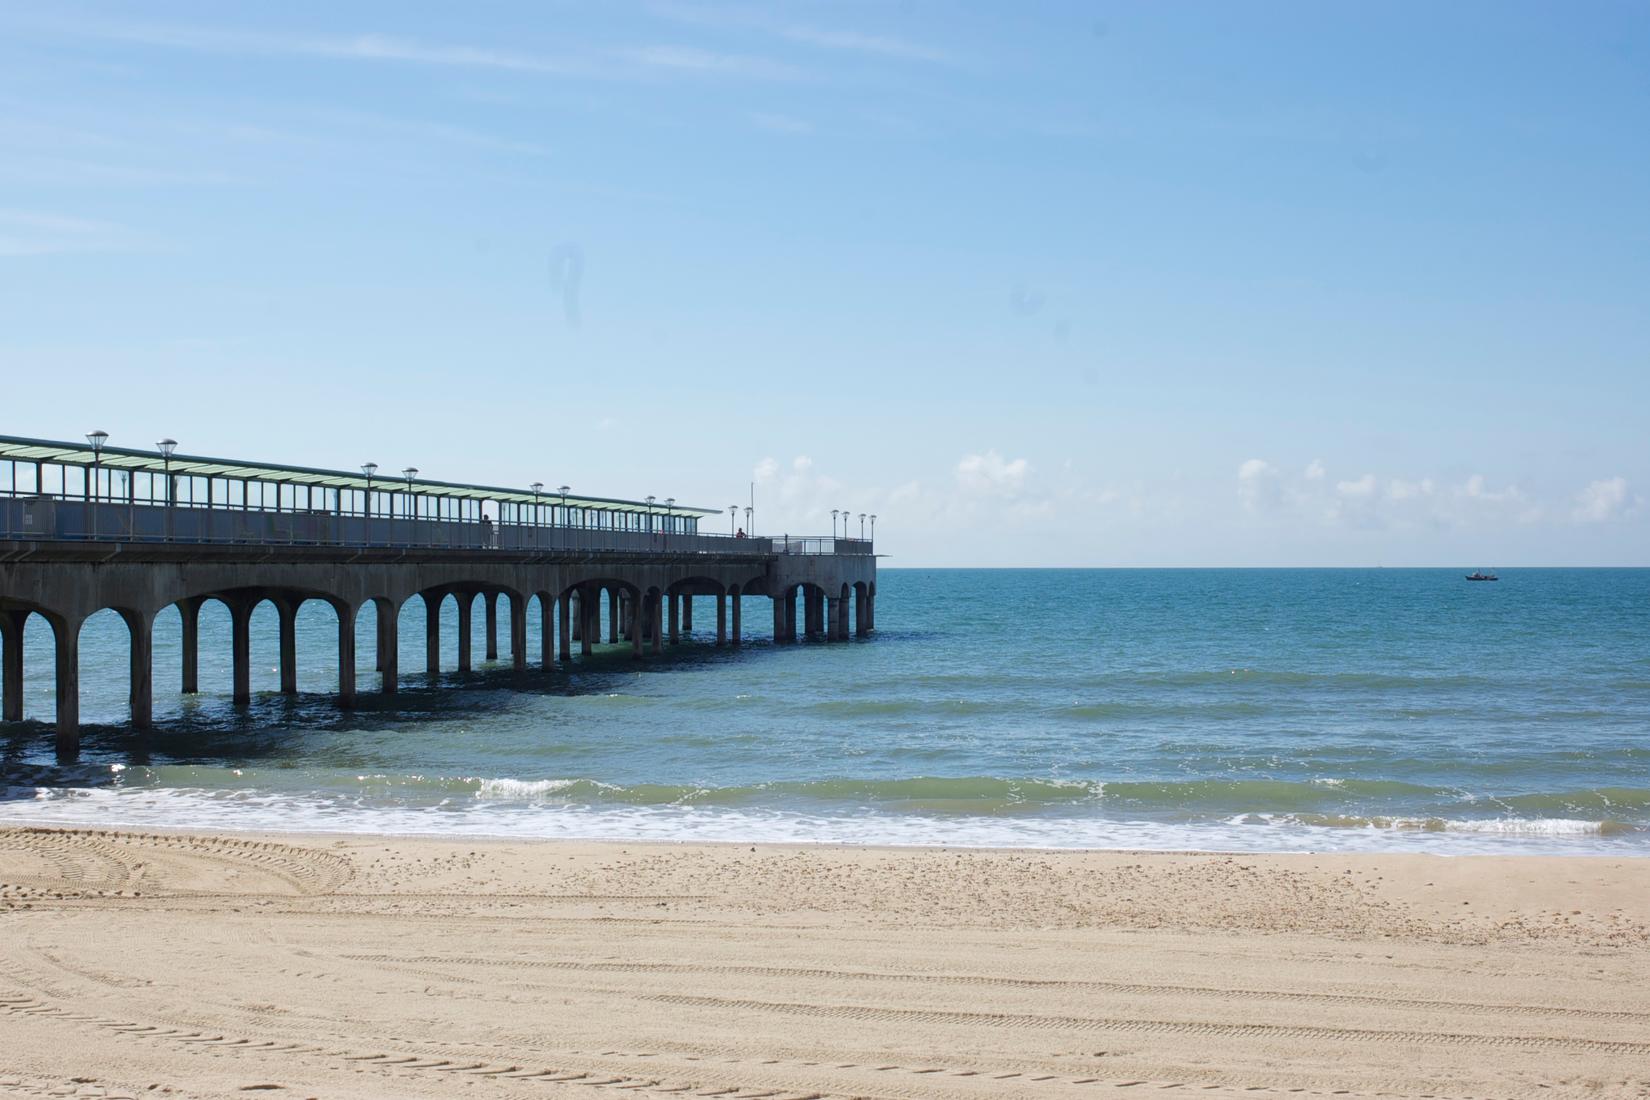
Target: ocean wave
<point>261,811</point>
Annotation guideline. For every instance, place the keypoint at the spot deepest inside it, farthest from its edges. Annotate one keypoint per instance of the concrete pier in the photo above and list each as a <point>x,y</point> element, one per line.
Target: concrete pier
<point>169,538</point>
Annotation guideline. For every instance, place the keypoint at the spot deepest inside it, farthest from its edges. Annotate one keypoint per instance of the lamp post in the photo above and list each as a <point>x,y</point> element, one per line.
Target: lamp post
<point>97,439</point>
<point>733,518</point>
<point>862,526</point>
<point>833,524</point>
<point>409,473</point>
<point>538,487</point>
<point>166,447</point>
<point>873,527</point>
<point>670,507</point>
<point>367,469</point>
<point>748,529</point>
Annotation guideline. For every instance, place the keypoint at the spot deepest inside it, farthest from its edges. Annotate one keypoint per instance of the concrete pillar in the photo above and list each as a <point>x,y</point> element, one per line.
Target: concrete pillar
<point>388,614</point>
<point>346,655</point>
<point>432,633</point>
<point>721,618</point>
<point>675,618</point>
<point>871,609</point>
<point>142,628</point>
<point>687,613</point>
<point>589,607</point>
<point>738,600</point>
<point>547,631</point>
<point>491,601</point>
<point>658,622</point>
<point>790,617</point>
<point>565,632</point>
<point>11,682</point>
<point>637,623</point>
<point>833,616</point>
<point>287,612</point>
<point>612,616</point>
<point>518,633</point>
<point>779,620</point>
<point>577,596</point>
<point>190,612</point>
<point>68,687</point>
<point>861,627</point>
<point>627,616</point>
<point>813,614</point>
<point>466,601</point>
<point>240,647</point>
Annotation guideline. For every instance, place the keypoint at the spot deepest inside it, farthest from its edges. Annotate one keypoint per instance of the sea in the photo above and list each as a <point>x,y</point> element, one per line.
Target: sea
<point>1223,710</point>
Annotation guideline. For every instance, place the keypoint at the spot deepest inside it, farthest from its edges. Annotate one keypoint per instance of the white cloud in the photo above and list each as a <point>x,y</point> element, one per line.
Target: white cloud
<point>1359,489</point>
<point>991,474</point>
<point>765,470</point>
<point>1399,489</point>
<point>1257,483</point>
<point>1603,500</point>
<point>1315,470</point>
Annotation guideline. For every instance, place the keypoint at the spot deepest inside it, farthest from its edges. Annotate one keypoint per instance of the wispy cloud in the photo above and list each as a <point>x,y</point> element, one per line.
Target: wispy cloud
<point>780,124</point>
<point>35,233</point>
<point>825,38</point>
<point>592,63</point>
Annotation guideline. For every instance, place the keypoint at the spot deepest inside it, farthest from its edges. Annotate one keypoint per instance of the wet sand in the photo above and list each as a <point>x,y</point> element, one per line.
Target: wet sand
<point>217,966</point>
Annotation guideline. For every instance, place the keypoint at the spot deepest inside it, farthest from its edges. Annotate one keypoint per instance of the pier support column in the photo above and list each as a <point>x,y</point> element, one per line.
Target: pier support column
<point>637,621</point>
<point>870,611</point>
<point>675,618</point>
<point>790,617</point>
<point>346,654</point>
<point>11,682</point>
<point>627,616</point>
<point>466,601</point>
<point>240,650</point>
<point>577,598</point>
<point>490,599</point>
<point>779,620</point>
<point>547,631</point>
<point>737,598</point>
<point>190,612</point>
<point>287,612</point>
<point>833,616</point>
<point>687,613</point>
<point>589,607</point>
<point>518,633</point>
<point>658,622</point>
<point>861,626</point>
<point>721,618</point>
<point>388,615</point>
<point>67,633</point>
<point>142,696</point>
<point>565,630</point>
<point>612,616</point>
<point>432,633</point>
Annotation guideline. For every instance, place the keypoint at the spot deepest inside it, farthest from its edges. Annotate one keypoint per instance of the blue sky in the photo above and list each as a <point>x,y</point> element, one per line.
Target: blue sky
<point>1148,284</point>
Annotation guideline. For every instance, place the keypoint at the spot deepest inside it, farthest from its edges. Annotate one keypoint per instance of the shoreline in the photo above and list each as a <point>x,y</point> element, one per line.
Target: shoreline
<point>373,965</point>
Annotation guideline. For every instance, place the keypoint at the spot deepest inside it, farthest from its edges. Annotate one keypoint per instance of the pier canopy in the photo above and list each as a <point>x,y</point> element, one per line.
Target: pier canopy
<point>113,474</point>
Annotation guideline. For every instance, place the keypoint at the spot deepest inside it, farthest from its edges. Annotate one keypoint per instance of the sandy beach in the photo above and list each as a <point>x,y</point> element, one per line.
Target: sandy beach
<point>135,965</point>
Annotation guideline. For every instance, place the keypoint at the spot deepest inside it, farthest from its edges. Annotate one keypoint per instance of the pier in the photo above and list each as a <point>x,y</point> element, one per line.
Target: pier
<point>89,527</point>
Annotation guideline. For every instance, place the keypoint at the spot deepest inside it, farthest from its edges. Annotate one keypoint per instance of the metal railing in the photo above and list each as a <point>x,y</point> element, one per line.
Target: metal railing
<point>70,519</point>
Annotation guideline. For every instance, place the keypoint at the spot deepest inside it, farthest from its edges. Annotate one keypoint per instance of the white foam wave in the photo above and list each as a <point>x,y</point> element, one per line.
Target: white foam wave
<point>514,816</point>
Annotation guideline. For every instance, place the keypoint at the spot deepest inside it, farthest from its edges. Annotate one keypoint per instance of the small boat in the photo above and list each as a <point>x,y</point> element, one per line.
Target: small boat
<point>1482,577</point>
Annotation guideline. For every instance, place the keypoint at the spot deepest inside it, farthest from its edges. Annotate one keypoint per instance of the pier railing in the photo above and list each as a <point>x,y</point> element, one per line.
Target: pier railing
<point>49,518</point>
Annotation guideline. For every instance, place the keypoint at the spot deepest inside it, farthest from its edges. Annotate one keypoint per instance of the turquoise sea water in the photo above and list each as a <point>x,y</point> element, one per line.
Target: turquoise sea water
<point>1217,709</point>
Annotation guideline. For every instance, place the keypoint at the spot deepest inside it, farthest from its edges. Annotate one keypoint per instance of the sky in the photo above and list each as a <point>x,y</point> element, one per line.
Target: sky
<point>1037,284</point>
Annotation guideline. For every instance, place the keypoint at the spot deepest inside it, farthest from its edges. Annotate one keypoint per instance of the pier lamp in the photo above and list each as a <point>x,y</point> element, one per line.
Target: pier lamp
<point>873,527</point>
<point>97,439</point>
<point>537,487</point>
<point>368,469</point>
<point>650,501</point>
<point>862,526</point>
<point>733,518</point>
<point>844,525</point>
<point>833,523</point>
<point>166,447</point>
<point>409,473</point>
<point>749,530</point>
<point>564,490</point>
